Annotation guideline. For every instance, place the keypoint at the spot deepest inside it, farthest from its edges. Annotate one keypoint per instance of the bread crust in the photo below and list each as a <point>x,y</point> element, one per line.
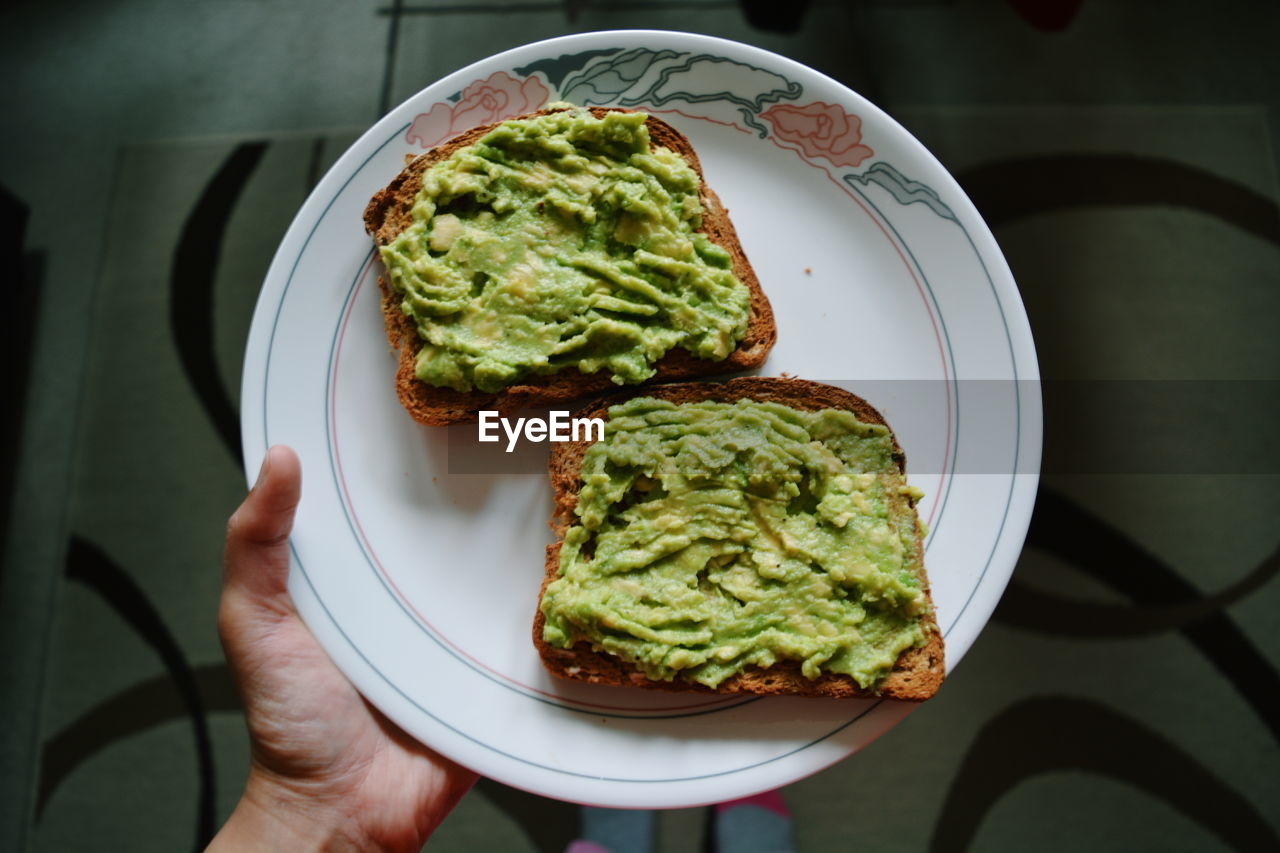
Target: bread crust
<point>918,672</point>
<point>388,213</point>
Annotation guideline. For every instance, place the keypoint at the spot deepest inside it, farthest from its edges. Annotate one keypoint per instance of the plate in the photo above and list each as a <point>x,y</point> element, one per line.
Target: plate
<point>420,580</point>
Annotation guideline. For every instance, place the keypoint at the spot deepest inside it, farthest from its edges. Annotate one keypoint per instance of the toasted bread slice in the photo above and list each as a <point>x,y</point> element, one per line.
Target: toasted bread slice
<point>918,672</point>
<point>388,213</point>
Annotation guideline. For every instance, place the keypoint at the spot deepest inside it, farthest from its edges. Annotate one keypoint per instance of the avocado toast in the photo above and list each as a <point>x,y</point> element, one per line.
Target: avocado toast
<point>752,536</point>
<point>556,256</point>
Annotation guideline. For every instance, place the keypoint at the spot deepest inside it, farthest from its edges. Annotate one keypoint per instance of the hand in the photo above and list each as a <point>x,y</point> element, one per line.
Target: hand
<point>328,771</point>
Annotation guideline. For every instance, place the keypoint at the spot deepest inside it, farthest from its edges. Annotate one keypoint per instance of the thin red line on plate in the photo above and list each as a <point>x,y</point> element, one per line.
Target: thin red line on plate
<point>933,320</point>
<point>391,584</point>
<point>404,600</point>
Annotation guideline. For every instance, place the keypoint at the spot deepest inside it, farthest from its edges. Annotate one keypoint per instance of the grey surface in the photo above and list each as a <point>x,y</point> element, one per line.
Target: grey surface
<point>116,114</point>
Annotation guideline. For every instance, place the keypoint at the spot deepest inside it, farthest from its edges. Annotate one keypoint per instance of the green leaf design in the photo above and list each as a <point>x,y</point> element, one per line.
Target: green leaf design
<point>903,189</point>
<point>656,78</point>
<point>556,69</point>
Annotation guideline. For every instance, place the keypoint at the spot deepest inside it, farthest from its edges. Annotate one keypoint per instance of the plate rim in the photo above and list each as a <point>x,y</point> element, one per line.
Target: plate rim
<point>254,443</point>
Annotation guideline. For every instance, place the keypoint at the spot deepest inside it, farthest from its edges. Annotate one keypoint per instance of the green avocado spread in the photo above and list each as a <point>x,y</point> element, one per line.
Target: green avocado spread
<point>563,240</point>
<point>715,536</point>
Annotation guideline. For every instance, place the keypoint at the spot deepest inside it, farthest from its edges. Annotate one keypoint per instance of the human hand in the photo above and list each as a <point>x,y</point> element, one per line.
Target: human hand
<point>327,771</point>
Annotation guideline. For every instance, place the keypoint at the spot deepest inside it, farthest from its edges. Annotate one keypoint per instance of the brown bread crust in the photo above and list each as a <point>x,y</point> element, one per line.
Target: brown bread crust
<point>388,213</point>
<point>916,676</point>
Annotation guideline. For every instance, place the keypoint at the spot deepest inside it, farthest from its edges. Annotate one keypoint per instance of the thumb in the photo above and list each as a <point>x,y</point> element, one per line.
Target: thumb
<point>257,551</point>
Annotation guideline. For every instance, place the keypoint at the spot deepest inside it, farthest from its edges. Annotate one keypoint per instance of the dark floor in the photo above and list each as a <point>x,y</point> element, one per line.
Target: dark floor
<point>1123,698</point>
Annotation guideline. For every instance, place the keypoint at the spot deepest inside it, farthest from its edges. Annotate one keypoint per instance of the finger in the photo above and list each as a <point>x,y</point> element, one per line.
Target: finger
<point>257,552</point>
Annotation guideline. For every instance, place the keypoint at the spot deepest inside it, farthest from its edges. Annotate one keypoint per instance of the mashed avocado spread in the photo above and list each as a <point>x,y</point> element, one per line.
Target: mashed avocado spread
<point>563,240</point>
<point>714,536</point>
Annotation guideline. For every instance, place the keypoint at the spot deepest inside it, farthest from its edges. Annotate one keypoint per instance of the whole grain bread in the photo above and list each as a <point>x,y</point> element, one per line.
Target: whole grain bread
<point>388,213</point>
<point>918,672</point>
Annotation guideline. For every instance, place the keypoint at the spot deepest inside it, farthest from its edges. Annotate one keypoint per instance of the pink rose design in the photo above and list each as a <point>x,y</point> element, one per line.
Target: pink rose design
<point>821,130</point>
<point>432,126</point>
<point>499,97</point>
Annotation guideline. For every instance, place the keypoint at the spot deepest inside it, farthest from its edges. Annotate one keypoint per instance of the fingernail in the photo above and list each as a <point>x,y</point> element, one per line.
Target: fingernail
<point>262,472</point>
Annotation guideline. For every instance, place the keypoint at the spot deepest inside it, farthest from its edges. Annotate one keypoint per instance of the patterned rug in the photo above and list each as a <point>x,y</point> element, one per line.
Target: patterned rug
<point>1126,695</point>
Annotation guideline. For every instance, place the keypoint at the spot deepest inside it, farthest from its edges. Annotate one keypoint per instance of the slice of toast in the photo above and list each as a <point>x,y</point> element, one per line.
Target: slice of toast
<point>388,213</point>
<point>918,672</point>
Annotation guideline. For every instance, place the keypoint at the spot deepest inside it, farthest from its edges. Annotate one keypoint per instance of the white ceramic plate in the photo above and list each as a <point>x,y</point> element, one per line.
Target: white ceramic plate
<point>422,584</point>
